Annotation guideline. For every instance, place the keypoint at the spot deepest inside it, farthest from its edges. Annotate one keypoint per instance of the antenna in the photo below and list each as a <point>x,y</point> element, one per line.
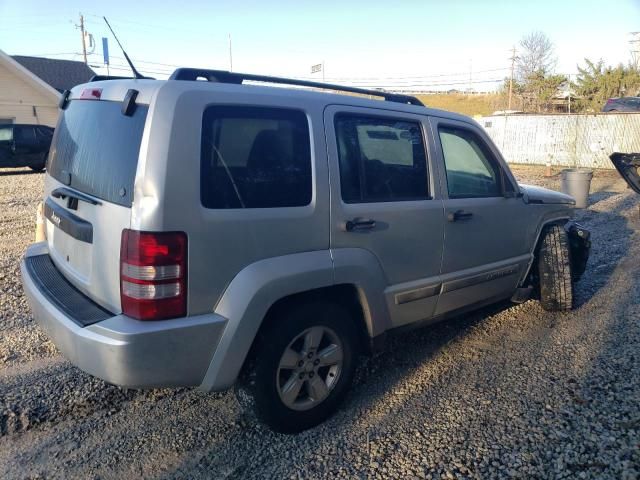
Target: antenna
<point>136,73</point>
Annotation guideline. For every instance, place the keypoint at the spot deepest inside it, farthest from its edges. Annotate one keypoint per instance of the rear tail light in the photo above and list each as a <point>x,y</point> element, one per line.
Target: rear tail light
<point>153,274</point>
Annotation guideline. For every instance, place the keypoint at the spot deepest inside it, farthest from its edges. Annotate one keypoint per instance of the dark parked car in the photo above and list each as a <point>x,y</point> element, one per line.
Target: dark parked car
<point>622,104</point>
<point>25,145</point>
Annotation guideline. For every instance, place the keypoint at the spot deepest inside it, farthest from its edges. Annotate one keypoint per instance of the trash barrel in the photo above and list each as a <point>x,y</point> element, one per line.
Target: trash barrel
<point>577,182</point>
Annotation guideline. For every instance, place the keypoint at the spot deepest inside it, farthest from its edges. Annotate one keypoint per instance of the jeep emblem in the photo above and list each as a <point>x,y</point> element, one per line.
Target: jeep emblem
<point>55,219</point>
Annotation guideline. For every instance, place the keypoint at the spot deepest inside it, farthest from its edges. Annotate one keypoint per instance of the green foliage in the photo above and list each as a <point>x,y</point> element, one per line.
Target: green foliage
<point>539,89</point>
<point>596,83</point>
<point>535,93</point>
<point>535,85</point>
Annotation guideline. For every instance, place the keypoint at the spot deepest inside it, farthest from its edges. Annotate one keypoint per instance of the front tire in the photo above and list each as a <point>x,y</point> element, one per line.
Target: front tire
<point>554,270</point>
<point>303,366</point>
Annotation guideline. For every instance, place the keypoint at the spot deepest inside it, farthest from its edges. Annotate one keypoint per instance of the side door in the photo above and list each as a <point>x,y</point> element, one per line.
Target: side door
<point>384,202</point>
<point>25,144</point>
<point>486,228</point>
<point>6,145</point>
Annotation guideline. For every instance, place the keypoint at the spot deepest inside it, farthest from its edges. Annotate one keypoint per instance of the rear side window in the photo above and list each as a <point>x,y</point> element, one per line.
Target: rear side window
<point>255,157</point>
<point>381,160</point>
<point>95,149</point>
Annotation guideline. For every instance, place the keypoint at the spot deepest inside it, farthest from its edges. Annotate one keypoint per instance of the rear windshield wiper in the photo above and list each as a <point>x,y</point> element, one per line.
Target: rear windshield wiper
<point>63,193</point>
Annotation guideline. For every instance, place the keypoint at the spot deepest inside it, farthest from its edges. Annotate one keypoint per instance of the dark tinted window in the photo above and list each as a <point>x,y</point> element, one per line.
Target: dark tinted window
<point>44,132</point>
<point>24,134</point>
<point>471,169</point>
<point>255,157</point>
<point>98,146</point>
<point>381,160</point>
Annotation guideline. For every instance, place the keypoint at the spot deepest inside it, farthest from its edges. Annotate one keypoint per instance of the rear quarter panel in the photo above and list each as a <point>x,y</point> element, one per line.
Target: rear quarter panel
<point>221,242</point>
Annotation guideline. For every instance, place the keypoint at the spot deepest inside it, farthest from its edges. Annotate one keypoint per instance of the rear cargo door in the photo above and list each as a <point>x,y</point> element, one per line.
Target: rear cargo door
<point>628,165</point>
<point>89,193</point>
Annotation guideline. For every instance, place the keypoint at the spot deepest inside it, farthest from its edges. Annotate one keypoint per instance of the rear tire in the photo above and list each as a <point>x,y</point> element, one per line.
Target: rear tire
<point>554,270</point>
<point>308,349</point>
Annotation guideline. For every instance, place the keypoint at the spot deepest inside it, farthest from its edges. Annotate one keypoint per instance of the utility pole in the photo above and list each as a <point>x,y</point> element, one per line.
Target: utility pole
<point>513,65</point>
<point>569,92</point>
<point>84,45</point>
<point>635,49</point>
<point>230,56</point>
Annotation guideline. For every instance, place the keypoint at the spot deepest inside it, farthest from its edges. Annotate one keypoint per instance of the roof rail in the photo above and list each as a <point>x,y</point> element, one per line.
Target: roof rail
<point>223,76</point>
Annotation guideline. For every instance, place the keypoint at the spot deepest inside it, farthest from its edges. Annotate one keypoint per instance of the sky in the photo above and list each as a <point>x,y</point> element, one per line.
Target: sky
<point>415,45</point>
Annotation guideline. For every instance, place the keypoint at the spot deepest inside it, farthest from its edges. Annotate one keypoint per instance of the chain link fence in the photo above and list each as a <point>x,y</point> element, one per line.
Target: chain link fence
<point>571,140</point>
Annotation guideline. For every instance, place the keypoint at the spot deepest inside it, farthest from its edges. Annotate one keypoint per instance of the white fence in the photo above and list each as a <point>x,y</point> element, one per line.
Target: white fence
<point>564,140</point>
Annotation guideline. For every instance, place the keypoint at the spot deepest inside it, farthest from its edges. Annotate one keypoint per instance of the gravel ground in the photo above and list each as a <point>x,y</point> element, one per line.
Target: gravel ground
<point>510,391</point>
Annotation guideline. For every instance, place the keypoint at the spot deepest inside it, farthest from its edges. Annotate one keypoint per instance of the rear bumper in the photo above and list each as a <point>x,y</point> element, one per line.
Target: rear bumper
<point>125,351</point>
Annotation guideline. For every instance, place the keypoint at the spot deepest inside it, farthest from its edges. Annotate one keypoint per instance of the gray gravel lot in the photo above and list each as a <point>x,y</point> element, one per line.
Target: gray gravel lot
<point>510,391</point>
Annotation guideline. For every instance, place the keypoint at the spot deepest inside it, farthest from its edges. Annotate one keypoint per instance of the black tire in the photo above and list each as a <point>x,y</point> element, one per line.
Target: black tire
<point>38,167</point>
<point>258,389</point>
<point>554,270</point>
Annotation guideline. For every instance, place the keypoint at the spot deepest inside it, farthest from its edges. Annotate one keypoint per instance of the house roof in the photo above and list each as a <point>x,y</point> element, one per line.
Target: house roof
<point>59,74</point>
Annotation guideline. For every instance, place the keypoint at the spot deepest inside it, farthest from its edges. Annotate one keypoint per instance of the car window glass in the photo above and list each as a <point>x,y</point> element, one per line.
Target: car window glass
<point>24,134</point>
<point>380,159</point>
<point>6,134</point>
<point>254,157</point>
<point>96,147</point>
<point>470,169</point>
<point>43,133</point>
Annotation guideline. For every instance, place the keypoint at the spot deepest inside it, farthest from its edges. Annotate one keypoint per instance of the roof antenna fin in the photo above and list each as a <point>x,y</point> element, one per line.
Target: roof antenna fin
<point>136,73</point>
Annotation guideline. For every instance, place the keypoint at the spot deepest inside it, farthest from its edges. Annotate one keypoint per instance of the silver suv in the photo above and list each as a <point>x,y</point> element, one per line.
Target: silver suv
<point>212,233</point>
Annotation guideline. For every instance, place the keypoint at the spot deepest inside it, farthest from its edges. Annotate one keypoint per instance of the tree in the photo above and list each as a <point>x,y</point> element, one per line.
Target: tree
<point>535,56</point>
<point>596,83</point>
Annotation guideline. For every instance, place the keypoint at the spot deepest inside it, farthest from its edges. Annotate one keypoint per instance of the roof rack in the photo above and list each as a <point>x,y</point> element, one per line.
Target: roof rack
<point>223,76</point>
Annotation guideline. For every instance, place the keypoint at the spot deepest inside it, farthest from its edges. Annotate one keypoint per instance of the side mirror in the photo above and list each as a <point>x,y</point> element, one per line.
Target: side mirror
<point>512,194</point>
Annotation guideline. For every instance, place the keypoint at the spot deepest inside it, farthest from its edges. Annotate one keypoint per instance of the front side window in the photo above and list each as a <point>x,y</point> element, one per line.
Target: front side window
<point>255,157</point>
<point>381,159</point>
<point>471,170</point>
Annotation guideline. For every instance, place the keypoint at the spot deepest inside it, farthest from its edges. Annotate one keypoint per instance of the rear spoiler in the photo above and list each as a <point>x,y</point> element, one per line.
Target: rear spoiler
<point>100,78</point>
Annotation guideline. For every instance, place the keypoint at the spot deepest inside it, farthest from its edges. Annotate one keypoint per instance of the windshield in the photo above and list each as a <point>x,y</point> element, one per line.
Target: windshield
<point>95,149</point>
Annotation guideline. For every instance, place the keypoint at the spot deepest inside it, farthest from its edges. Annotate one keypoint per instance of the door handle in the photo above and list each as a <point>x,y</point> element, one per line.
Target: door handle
<point>459,215</point>
<point>359,224</point>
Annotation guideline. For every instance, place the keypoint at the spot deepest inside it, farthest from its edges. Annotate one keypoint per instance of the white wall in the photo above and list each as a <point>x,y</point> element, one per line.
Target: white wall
<point>564,140</point>
<point>18,99</point>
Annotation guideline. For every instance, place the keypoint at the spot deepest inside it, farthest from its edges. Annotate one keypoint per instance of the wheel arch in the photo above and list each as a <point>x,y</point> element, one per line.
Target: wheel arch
<point>257,292</point>
<point>555,220</point>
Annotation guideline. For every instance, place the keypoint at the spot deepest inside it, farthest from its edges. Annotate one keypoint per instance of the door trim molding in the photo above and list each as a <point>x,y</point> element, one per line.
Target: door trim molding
<point>417,294</point>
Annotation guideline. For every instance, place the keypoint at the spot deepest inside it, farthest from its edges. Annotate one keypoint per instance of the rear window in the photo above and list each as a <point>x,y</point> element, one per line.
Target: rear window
<point>95,149</point>
<point>255,157</point>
